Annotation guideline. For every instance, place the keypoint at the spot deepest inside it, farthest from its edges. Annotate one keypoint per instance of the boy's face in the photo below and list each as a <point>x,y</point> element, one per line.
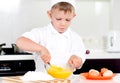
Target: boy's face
<point>61,20</point>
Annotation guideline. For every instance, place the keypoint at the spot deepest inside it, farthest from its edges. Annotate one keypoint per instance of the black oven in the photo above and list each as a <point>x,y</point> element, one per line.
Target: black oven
<point>16,67</point>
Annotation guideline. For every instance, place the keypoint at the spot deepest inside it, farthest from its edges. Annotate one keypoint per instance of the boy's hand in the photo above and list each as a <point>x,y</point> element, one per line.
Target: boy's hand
<point>45,55</point>
<point>75,61</point>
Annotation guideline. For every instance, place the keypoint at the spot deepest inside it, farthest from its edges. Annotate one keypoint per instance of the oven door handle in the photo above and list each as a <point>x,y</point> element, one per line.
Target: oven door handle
<point>5,69</point>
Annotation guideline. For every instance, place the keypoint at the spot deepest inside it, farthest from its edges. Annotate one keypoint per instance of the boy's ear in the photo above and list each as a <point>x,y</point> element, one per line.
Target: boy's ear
<point>49,13</point>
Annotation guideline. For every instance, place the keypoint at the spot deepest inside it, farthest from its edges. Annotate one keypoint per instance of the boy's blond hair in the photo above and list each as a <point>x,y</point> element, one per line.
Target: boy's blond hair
<point>64,6</point>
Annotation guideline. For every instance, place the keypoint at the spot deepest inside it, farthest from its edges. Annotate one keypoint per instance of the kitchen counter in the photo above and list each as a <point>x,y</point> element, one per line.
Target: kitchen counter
<point>74,79</point>
<point>94,54</point>
<point>16,57</point>
<point>101,58</point>
<point>99,54</point>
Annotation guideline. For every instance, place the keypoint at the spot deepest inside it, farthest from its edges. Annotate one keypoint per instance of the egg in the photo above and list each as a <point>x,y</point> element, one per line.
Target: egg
<point>93,73</point>
<point>108,73</point>
<point>103,70</point>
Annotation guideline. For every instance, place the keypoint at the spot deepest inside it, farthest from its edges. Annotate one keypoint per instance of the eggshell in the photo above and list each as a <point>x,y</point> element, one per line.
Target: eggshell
<point>108,73</point>
<point>93,73</point>
<point>103,70</point>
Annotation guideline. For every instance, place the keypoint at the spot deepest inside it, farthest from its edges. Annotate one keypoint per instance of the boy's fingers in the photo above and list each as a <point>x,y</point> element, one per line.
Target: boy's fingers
<point>46,58</point>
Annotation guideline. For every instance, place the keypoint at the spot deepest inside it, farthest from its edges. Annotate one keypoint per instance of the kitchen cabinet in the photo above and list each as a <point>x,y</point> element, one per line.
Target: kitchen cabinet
<point>112,64</point>
<point>98,60</point>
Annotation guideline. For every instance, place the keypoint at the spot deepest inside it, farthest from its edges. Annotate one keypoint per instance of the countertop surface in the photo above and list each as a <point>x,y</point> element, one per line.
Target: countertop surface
<point>94,54</point>
<point>73,79</point>
<point>16,57</point>
<point>99,54</point>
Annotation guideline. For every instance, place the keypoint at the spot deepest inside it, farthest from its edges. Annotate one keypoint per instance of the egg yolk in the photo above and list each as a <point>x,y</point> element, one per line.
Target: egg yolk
<point>59,72</point>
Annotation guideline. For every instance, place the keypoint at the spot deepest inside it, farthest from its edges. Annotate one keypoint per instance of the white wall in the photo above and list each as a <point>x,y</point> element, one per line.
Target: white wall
<point>116,15</point>
<point>92,22</point>
<point>19,16</point>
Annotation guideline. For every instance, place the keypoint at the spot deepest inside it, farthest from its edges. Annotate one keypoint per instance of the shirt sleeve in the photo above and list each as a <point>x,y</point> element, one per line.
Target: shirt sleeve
<point>34,35</point>
<point>78,47</point>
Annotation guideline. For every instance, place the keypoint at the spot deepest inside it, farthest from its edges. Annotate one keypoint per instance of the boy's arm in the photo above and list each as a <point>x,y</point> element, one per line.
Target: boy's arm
<point>28,45</point>
<point>31,46</point>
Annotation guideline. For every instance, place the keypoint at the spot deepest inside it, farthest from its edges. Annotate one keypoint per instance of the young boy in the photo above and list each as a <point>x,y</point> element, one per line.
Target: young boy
<point>55,43</point>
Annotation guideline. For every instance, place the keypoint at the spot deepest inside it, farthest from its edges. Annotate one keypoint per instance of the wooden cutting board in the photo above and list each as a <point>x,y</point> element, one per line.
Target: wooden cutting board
<point>16,79</point>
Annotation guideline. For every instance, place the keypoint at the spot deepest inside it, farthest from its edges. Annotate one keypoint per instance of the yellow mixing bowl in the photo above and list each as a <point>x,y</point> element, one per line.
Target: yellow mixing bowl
<point>59,72</point>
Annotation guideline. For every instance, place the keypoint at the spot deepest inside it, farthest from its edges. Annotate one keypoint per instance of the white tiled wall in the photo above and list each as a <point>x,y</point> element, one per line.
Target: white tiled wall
<point>92,22</point>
